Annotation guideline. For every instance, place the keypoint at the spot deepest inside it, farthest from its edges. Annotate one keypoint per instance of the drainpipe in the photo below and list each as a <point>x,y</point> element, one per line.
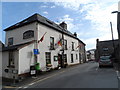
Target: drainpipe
<point>62,47</point>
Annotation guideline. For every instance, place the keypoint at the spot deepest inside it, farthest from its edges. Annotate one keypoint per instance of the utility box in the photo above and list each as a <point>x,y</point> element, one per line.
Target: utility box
<point>32,71</point>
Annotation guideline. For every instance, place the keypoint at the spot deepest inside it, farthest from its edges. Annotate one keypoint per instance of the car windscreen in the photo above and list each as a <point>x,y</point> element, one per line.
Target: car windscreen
<point>105,58</point>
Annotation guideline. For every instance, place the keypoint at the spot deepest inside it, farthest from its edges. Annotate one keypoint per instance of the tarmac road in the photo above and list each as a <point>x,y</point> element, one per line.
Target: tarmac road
<point>86,75</point>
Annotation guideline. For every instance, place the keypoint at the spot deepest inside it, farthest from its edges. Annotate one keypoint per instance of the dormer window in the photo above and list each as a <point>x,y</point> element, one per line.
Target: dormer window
<point>28,34</point>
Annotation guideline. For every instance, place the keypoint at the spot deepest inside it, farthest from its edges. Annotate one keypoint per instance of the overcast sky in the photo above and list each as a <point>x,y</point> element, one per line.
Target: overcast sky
<point>89,18</point>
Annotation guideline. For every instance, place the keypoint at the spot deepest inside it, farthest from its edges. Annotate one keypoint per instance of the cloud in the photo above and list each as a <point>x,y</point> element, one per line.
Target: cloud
<point>45,12</point>
<point>72,4</point>
<point>100,18</point>
<point>68,20</point>
<point>44,6</point>
<point>52,7</point>
<point>70,23</point>
<point>99,15</point>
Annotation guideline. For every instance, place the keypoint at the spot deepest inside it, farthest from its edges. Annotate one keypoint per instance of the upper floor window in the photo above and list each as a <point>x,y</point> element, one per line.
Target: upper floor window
<point>65,44</point>
<point>10,41</point>
<point>28,34</point>
<point>73,46</point>
<point>51,43</point>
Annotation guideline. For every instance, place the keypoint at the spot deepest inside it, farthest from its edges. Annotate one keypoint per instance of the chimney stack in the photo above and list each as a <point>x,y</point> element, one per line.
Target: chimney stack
<point>75,34</point>
<point>97,40</point>
<point>63,25</point>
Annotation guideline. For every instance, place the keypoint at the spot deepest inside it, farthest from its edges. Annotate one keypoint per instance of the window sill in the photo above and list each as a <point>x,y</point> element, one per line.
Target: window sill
<point>11,66</point>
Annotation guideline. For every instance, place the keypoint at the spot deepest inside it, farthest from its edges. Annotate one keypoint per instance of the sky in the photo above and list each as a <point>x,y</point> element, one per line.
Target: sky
<point>90,19</point>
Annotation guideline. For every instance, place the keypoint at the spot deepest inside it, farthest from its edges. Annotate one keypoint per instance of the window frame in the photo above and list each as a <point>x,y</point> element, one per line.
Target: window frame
<point>10,41</point>
<point>72,46</point>
<point>48,57</point>
<point>11,62</point>
<point>76,56</point>
<point>65,58</point>
<point>72,61</point>
<point>28,34</point>
<point>52,43</point>
<point>65,44</point>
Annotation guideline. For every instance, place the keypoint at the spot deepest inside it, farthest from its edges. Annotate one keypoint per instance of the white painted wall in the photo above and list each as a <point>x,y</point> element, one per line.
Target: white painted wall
<point>26,59</point>
<point>44,46</point>
<point>17,34</point>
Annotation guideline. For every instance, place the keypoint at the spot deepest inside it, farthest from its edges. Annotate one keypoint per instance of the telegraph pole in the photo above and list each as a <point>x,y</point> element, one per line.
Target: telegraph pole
<point>112,37</point>
<point>62,48</point>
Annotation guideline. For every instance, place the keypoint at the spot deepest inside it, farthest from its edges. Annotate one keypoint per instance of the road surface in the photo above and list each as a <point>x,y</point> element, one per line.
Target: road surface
<point>86,75</point>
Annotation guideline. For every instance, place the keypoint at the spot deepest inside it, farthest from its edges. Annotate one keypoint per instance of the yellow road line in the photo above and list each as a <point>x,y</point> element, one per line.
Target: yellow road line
<point>41,79</point>
<point>9,87</point>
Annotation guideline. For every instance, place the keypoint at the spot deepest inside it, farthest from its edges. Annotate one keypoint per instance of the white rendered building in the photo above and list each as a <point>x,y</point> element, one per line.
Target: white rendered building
<point>39,33</point>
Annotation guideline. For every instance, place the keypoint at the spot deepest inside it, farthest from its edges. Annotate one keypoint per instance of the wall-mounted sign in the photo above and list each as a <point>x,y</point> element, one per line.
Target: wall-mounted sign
<point>55,58</point>
<point>36,51</point>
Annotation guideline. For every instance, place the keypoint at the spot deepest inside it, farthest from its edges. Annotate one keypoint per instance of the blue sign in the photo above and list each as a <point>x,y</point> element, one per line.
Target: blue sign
<point>36,51</point>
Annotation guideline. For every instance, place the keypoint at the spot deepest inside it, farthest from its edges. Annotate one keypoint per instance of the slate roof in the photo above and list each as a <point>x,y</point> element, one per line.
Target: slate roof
<point>16,47</point>
<point>37,17</point>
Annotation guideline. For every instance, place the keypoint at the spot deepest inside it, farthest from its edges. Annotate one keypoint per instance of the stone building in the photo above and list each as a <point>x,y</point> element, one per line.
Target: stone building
<point>105,48</point>
<point>39,40</point>
<point>91,54</point>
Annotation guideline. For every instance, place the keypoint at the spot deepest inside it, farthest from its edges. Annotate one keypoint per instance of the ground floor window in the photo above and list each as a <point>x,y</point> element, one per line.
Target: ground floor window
<point>48,57</point>
<point>11,59</point>
<point>71,58</point>
<point>80,57</point>
<point>76,56</point>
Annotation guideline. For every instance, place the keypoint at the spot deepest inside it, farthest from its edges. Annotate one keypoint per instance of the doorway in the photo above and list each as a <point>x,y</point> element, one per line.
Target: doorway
<point>60,61</point>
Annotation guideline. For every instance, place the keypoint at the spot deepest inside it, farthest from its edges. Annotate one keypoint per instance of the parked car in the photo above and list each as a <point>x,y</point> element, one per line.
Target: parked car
<point>105,61</point>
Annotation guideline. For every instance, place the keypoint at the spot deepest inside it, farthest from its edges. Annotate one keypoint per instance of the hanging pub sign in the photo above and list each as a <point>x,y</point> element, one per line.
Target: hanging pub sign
<point>36,51</point>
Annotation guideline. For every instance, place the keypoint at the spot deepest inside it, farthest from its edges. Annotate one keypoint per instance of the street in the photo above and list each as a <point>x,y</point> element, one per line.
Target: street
<point>86,75</point>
